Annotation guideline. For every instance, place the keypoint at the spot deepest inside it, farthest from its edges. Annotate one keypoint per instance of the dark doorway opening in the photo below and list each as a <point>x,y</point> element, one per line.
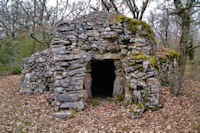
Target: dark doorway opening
<point>103,76</point>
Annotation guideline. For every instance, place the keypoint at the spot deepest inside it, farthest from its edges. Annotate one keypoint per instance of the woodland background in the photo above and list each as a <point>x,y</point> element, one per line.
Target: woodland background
<point>27,27</point>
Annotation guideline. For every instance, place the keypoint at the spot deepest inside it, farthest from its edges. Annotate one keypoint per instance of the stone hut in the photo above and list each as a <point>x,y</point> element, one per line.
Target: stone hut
<point>98,55</point>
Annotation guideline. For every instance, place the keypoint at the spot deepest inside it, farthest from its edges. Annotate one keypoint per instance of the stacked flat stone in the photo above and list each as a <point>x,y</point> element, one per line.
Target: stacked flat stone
<point>37,73</point>
<point>167,70</point>
<point>98,36</point>
<point>142,84</point>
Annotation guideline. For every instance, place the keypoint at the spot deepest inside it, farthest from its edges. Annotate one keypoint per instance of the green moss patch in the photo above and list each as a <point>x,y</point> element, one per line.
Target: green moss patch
<point>73,113</point>
<point>93,102</point>
<point>135,108</point>
<point>132,26</point>
<point>126,104</point>
<point>119,98</point>
<point>136,105</point>
<point>165,53</point>
<point>138,57</point>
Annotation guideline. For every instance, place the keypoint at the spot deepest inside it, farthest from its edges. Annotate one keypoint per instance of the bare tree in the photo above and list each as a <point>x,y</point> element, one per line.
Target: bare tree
<point>132,5</point>
<point>37,19</point>
<point>184,10</point>
<point>134,9</point>
<point>109,5</point>
<point>164,25</point>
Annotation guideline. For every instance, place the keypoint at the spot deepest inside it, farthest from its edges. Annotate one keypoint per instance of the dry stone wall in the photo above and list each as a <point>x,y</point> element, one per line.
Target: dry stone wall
<point>167,65</point>
<point>98,36</point>
<point>37,73</point>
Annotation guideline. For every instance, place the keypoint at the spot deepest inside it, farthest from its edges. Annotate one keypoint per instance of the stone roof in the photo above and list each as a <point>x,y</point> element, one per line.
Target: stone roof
<point>95,16</point>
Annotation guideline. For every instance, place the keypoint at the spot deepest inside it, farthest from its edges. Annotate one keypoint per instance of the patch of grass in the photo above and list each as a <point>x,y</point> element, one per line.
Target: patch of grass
<point>73,113</point>
<point>15,70</point>
<point>196,126</point>
<point>93,102</point>
<point>119,98</point>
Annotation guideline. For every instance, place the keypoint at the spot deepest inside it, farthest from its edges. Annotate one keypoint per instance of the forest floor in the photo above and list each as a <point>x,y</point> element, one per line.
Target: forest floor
<point>32,113</point>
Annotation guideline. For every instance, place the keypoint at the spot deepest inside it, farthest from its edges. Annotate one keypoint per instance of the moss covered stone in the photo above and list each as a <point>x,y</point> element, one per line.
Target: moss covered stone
<point>119,98</point>
<point>153,61</point>
<point>137,105</point>
<point>172,54</point>
<point>126,104</point>
<point>137,66</point>
<point>129,87</point>
<point>132,26</point>
<point>164,54</point>
<point>136,57</point>
<point>158,107</point>
<point>136,111</point>
<point>73,113</point>
<point>143,57</point>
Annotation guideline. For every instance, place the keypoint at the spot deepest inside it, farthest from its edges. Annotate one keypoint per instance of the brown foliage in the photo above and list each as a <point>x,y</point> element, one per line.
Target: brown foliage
<point>31,113</point>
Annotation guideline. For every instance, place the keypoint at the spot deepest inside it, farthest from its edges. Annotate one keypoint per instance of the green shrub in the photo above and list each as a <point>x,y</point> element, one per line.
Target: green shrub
<point>13,51</point>
<point>15,70</point>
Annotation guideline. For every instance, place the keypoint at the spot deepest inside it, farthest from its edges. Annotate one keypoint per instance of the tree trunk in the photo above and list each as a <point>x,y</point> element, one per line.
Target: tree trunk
<point>180,68</point>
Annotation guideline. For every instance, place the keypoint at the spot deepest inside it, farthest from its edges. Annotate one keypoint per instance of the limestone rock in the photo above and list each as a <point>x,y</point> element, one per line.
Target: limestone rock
<point>79,106</point>
<point>92,33</point>
<point>63,114</point>
<point>118,88</point>
<point>69,97</point>
<point>88,84</point>
<point>153,83</point>
<point>136,110</point>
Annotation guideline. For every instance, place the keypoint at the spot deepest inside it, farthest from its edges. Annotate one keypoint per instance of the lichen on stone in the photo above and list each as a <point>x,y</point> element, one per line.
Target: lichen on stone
<point>137,66</point>
<point>126,104</point>
<point>119,98</point>
<point>136,111</point>
<point>138,55</point>
<point>136,105</point>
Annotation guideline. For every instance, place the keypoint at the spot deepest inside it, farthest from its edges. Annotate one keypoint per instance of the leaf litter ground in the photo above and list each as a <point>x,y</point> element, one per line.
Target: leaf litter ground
<point>32,113</point>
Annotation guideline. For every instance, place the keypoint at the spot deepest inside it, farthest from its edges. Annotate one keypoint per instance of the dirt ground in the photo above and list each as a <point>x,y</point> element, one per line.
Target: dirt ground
<point>32,113</point>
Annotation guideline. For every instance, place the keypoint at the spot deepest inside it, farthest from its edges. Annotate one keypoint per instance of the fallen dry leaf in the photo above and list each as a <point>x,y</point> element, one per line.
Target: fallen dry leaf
<point>32,113</point>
